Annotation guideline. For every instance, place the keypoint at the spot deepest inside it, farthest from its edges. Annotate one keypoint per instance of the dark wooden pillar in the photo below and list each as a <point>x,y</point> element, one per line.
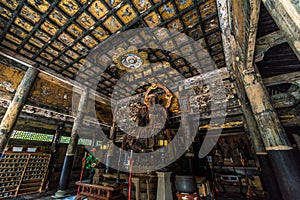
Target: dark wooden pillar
<point>56,138</point>
<point>110,153</point>
<point>53,151</point>
<point>285,163</point>
<point>283,159</point>
<point>15,108</point>
<point>267,174</point>
<point>71,150</point>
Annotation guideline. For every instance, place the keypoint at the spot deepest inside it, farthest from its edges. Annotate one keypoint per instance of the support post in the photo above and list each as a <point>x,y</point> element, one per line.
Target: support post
<point>110,152</point>
<point>267,174</point>
<point>164,191</point>
<point>284,161</point>
<point>282,158</point>
<point>71,150</point>
<point>14,109</point>
<point>53,149</point>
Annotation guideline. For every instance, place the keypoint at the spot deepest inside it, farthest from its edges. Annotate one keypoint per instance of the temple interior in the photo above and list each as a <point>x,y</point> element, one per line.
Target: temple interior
<point>150,99</point>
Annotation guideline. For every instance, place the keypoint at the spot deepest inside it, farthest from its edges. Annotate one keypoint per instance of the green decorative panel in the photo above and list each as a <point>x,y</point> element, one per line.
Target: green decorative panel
<point>22,135</point>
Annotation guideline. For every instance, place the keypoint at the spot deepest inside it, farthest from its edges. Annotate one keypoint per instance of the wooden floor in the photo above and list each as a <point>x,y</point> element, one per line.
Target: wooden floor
<point>47,196</point>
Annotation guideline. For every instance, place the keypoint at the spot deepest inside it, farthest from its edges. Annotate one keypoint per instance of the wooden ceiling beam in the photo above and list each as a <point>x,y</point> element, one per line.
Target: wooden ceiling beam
<point>263,44</point>
<point>284,78</point>
<point>286,15</point>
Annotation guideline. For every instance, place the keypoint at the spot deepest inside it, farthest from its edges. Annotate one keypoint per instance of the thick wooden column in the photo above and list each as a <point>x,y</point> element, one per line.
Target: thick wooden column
<point>283,160</point>
<point>71,150</point>
<point>15,107</point>
<point>54,153</point>
<point>110,152</point>
<point>267,173</point>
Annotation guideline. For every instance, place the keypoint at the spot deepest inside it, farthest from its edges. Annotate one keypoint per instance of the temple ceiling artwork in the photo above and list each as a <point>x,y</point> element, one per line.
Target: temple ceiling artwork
<point>57,37</point>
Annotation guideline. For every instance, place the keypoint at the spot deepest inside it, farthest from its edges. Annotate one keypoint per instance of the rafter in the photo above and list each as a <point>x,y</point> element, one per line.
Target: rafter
<point>263,44</point>
<point>286,15</point>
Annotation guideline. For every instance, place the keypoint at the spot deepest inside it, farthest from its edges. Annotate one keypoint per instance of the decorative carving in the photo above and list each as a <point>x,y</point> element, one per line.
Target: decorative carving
<point>142,5</point>
<point>112,24</point>
<point>126,13</point>
<point>69,6</point>
<point>131,59</point>
<point>97,9</point>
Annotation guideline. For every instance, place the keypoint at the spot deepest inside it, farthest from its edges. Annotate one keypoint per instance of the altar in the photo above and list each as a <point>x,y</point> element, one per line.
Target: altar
<point>99,192</point>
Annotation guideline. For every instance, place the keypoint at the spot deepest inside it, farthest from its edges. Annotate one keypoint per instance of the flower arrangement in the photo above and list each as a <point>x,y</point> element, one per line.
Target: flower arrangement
<point>91,162</point>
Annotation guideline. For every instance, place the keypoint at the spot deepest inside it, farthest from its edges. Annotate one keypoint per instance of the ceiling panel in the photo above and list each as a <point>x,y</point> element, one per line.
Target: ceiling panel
<point>58,35</point>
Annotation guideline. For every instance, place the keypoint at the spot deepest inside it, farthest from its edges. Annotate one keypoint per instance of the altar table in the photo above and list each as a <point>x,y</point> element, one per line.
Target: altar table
<point>99,192</point>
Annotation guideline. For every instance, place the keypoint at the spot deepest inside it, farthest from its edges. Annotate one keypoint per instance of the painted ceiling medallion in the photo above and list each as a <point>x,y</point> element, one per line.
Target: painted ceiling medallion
<point>130,59</point>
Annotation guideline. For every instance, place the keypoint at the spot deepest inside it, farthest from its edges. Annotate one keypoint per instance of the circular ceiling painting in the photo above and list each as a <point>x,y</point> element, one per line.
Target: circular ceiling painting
<point>130,59</point>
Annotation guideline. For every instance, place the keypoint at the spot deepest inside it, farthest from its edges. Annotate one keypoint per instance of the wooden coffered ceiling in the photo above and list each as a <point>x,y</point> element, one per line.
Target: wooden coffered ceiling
<point>57,36</point>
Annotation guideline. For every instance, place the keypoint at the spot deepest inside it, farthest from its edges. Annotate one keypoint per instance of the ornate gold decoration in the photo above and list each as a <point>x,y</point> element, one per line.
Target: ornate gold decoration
<point>72,54</point>
<point>36,42</point>
<point>175,24</point>
<point>154,86</point>
<point>130,59</point>
<point>52,51</point>
<point>46,56</point>
<point>89,41</point>
<point>152,19</point>
<point>190,18</point>
<point>30,55</point>
<point>69,6</point>
<point>58,45</point>
<point>41,5</point>
<point>207,8</point>
<point>142,5</point>
<point>42,35</point>
<point>98,9</point>
<point>113,3</point>
<point>23,24</point>
<point>29,14</point>
<point>66,39</point>
<point>100,33</point>
<point>13,4</point>
<point>13,39</point>
<point>112,24</point>
<point>126,13</point>
<point>5,13</point>
<point>85,20</point>
<point>183,4</point>
<point>58,17</point>
<point>75,30</point>
<point>49,28</point>
<point>167,11</point>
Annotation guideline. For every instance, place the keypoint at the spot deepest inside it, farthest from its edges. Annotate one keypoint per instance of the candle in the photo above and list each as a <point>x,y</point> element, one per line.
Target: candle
<point>131,153</point>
